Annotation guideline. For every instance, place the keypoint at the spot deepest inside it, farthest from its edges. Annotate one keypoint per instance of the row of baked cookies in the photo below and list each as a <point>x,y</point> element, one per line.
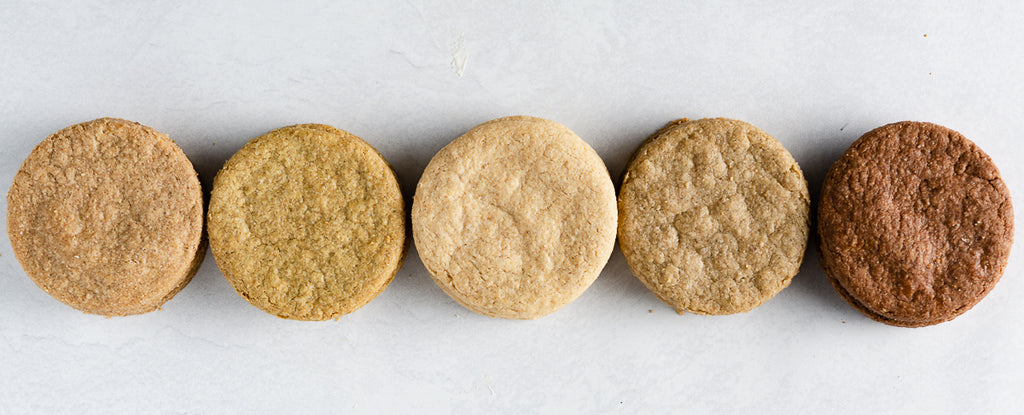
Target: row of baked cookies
<point>514,219</point>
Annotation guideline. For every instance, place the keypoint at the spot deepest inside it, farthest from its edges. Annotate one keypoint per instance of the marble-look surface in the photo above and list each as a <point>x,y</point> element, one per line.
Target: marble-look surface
<point>410,76</point>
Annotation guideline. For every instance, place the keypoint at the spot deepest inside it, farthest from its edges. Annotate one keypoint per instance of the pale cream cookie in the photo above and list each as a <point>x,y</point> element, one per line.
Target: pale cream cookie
<point>515,218</point>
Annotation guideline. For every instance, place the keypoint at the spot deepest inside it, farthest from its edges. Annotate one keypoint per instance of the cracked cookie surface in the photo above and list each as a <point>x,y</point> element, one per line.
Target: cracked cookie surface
<point>307,222</point>
<point>107,217</point>
<point>515,218</point>
<point>714,216</point>
<point>915,224</point>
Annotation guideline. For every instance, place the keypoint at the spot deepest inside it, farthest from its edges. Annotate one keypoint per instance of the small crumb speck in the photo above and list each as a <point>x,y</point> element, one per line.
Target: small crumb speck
<point>649,310</point>
<point>844,321</point>
<point>925,35</point>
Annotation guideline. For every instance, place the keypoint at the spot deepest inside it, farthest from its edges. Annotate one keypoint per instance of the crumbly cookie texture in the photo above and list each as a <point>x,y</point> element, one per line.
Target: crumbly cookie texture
<point>915,224</point>
<point>516,218</point>
<point>714,216</point>
<point>307,222</point>
<point>107,217</point>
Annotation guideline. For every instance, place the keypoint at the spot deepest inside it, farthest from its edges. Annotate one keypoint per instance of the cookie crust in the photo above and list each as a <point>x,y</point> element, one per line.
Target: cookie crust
<point>515,218</point>
<point>915,223</point>
<point>714,216</point>
<point>107,217</point>
<point>307,222</point>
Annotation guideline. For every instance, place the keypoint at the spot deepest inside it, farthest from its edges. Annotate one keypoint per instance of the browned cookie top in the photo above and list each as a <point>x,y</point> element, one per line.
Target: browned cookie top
<point>107,217</point>
<point>915,224</point>
<point>714,216</point>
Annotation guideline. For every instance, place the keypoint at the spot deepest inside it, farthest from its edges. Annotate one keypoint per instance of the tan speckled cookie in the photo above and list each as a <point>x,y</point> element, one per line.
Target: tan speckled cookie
<point>107,217</point>
<point>307,222</point>
<point>515,218</point>
<point>714,216</point>
<point>915,223</point>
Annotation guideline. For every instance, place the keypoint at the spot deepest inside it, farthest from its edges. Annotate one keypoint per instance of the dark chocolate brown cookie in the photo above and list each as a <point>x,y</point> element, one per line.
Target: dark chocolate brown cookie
<point>915,223</point>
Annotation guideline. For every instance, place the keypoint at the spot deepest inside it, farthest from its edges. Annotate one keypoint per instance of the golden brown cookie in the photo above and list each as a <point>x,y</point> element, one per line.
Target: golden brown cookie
<point>713,216</point>
<point>915,224</point>
<point>107,217</point>
<point>307,222</point>
<point>515,218</point>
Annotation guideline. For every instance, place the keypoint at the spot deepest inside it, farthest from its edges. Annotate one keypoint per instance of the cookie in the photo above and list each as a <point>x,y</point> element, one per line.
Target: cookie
<point>307,222</point>
<point>515,218</point>
<point>107,217</point>
<point>915,224</point>
<point>713,216</point>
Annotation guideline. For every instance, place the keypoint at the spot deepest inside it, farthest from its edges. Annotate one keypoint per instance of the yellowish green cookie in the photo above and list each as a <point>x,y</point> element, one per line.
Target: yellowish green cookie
<point>307,222</point>
<point>713,216</point>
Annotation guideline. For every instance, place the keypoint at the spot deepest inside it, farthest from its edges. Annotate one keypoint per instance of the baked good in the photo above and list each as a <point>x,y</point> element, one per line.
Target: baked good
<point>307,222</point>
<point>515,218</point>
<point>915,224</point>
<point>107,217</point>
<point>713,216</point>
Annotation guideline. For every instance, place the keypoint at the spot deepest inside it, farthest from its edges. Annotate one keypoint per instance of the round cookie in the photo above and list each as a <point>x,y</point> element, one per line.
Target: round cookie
<point>713,216</point>
<point>307,222</point>
<point>915,224</point>
<point>107,217</point>
<point>515,218</point>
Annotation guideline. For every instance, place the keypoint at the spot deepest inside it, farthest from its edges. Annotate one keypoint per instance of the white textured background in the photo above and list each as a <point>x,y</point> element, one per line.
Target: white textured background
<point>410,76</point>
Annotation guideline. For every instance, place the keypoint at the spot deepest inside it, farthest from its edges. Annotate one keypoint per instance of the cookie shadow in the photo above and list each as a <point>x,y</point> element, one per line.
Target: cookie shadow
<point>208,153</point>
<point>616,281</point>
<point>618,152</point>
<point>811,279</point>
